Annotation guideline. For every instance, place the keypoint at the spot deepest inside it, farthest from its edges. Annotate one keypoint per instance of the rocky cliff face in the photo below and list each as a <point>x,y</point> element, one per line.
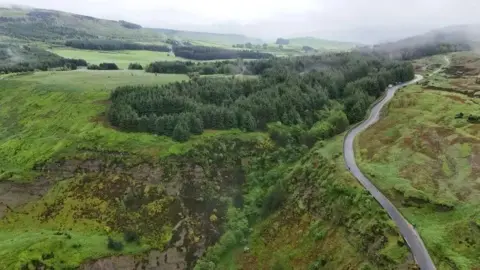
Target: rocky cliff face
<point>176,204</point>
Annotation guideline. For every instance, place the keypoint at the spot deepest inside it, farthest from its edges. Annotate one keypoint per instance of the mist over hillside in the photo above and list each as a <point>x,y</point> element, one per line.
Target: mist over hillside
<point>442,40</point>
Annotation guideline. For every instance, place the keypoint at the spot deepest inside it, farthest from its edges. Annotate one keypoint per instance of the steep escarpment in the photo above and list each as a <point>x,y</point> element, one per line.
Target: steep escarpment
<point>228,201</point>
<point>313,215</point>
<point>176,202</point>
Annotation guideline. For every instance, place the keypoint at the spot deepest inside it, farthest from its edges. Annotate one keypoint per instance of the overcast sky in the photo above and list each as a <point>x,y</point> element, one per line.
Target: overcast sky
<point>358,20</point>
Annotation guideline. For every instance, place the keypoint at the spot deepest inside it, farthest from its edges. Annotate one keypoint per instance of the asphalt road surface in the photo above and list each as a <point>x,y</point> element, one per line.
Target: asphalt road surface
<point>408,232</point>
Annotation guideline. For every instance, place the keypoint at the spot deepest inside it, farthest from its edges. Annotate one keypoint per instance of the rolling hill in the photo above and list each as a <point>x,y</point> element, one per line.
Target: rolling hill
<point>32,24</point>
<point>215,38</point>
<point>50,25</point>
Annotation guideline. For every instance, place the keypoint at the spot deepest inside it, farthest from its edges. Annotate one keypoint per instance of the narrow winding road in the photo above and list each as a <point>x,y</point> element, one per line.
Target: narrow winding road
<point>408,232</point>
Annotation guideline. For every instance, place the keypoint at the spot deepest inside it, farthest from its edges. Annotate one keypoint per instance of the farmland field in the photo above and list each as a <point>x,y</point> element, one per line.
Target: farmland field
<point>84,79</point>
<point>321,44</point>
<point>58,110</point>
<point>426,159</point>
<point>121,58</point>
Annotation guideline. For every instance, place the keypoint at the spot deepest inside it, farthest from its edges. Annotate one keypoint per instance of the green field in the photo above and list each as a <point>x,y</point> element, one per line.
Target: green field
<point>208,39</point>
<point>61,110</point>
<point>83,79</point>
<point>295,46</point>
<point>322,44</point>
<point>17,245</point>
<point>43,116</point>
<point>121,58</point>
<point>427,162</point>
<point>7,12</point>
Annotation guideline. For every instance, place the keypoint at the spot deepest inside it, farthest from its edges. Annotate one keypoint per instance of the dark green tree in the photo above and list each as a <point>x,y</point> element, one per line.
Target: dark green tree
<point>339,121</point>
<point>230,119</point>
<point>160,125</point>
<point>135,66</point>
<point>248,122</point>
<point>290,90</point>
<point>181,132</point>
<point>143,124</point>
<point>196,125</point>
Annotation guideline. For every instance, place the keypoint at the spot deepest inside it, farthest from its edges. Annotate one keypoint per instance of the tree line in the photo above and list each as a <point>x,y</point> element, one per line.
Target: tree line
<point>135,66</point>
<point>32,58</point>
<point>103,66</point>
<point>228,67</point>
<point>295,92</point>
<point>214,53</point>
<point>114,45</point>
<point>68,64</point>
<point>250,46</point>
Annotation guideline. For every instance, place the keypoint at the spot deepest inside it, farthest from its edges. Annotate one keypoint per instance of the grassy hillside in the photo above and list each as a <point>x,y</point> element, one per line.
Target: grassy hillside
<point>208,39</point>
<point>24,24</point>
<point>321,44</point>
<point>59,111</point>
<point>427,65</point>
<point>460,77</point>
<point>426,160</point>
<point>12,54</point>
<point>121,58</point>
<point>329,222</point>
<point>51,25</point>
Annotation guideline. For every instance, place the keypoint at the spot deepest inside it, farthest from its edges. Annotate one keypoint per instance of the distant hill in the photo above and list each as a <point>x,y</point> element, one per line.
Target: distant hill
<point>34,24</point>
<point>322,44</point>
<point>451,34</point>
<point>212,38</point>
<point>50,25</point>
<point>458,37</point>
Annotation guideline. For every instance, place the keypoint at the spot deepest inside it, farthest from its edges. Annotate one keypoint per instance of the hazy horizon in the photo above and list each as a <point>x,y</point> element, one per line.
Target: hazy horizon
<point>364,21</point>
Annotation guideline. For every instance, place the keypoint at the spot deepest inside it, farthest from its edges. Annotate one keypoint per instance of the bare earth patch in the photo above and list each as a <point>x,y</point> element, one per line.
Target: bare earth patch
<point>14,195</point>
